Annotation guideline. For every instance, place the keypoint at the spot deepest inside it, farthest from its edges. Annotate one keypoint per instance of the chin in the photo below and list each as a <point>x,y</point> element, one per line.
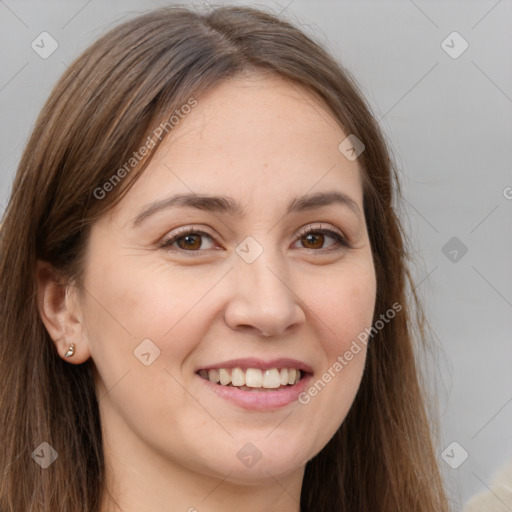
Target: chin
<point>261,460</point>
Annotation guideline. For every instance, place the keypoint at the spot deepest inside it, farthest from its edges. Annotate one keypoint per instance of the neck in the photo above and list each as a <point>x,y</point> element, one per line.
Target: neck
<point>145,488</point>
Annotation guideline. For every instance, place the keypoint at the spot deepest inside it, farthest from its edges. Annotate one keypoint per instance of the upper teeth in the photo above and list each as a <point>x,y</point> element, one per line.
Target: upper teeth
<point>253,377</point>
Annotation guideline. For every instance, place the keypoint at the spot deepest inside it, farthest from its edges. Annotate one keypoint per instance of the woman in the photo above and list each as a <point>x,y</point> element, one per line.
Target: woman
<point>203,285</point>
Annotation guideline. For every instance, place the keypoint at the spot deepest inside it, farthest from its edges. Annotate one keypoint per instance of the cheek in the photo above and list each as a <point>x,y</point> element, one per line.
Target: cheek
<point>345,306</point>
<point>147,300</point>
<point>142,323</point>
<point>128,305</point>
<point>343,312</point>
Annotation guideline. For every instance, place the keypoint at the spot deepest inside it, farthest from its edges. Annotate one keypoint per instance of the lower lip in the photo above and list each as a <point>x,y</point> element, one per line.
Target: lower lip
<point>259,400</point>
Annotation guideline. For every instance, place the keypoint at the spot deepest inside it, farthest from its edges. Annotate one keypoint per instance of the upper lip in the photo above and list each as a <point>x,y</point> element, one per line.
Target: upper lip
<point>254,362</point>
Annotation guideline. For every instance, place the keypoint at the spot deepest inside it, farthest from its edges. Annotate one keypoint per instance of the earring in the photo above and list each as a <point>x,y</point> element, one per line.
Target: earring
<point>71,350</point>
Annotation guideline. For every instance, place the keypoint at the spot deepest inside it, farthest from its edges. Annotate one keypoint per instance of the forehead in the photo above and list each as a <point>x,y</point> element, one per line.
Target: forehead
<point>255,114</point>
<point>256,139</point>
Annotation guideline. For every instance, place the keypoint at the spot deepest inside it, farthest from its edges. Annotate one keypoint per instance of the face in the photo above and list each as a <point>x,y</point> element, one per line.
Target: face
<point>277,274</point>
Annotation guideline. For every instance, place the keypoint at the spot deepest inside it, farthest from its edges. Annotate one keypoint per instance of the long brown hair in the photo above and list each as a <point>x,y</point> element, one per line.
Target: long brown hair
<point>108,102</point>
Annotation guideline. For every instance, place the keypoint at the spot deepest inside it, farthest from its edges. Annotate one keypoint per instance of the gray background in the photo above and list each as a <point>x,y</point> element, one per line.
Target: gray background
<point>450,126</point>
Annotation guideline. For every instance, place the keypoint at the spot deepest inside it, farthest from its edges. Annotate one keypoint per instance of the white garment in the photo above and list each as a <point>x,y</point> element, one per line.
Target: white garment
<point>499,498</point>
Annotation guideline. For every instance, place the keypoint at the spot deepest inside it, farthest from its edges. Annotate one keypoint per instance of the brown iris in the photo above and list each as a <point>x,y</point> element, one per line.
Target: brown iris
<point>314,238</point>
<point>191,242</point>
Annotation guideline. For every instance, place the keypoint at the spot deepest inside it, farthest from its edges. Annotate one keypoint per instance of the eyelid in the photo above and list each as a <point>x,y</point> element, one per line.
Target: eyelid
<point>318,227</point>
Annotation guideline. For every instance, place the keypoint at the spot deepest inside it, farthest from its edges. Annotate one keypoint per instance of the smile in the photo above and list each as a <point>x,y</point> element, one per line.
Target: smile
<point>250,379</point>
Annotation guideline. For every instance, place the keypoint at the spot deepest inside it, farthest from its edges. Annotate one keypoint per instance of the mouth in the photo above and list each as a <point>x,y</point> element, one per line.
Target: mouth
<point>255,384</point>
<point>254,379</point>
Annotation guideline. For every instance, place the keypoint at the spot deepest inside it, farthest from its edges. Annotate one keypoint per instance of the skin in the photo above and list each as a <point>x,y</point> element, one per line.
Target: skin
<point>171,444</point>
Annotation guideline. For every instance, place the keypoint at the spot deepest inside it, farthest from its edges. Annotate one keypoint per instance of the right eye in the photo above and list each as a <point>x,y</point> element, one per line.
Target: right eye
<point>187,240</point>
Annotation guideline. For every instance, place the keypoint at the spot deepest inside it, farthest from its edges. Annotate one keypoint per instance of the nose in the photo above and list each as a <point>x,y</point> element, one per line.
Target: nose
<point>263,300</point>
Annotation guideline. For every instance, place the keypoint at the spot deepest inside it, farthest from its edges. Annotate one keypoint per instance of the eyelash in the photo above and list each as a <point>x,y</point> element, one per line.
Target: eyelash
<point>341,240</point>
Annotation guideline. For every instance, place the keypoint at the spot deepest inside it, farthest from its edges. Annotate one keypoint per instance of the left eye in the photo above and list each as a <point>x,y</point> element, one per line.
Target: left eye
<point>317,237</point>
<point>191,240</point>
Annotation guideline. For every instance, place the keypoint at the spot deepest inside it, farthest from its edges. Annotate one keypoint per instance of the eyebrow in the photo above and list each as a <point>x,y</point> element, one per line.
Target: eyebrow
<point>226,205</point>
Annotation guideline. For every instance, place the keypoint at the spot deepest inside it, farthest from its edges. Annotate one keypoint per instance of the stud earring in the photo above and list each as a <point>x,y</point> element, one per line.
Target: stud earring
<point>71,350</point>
